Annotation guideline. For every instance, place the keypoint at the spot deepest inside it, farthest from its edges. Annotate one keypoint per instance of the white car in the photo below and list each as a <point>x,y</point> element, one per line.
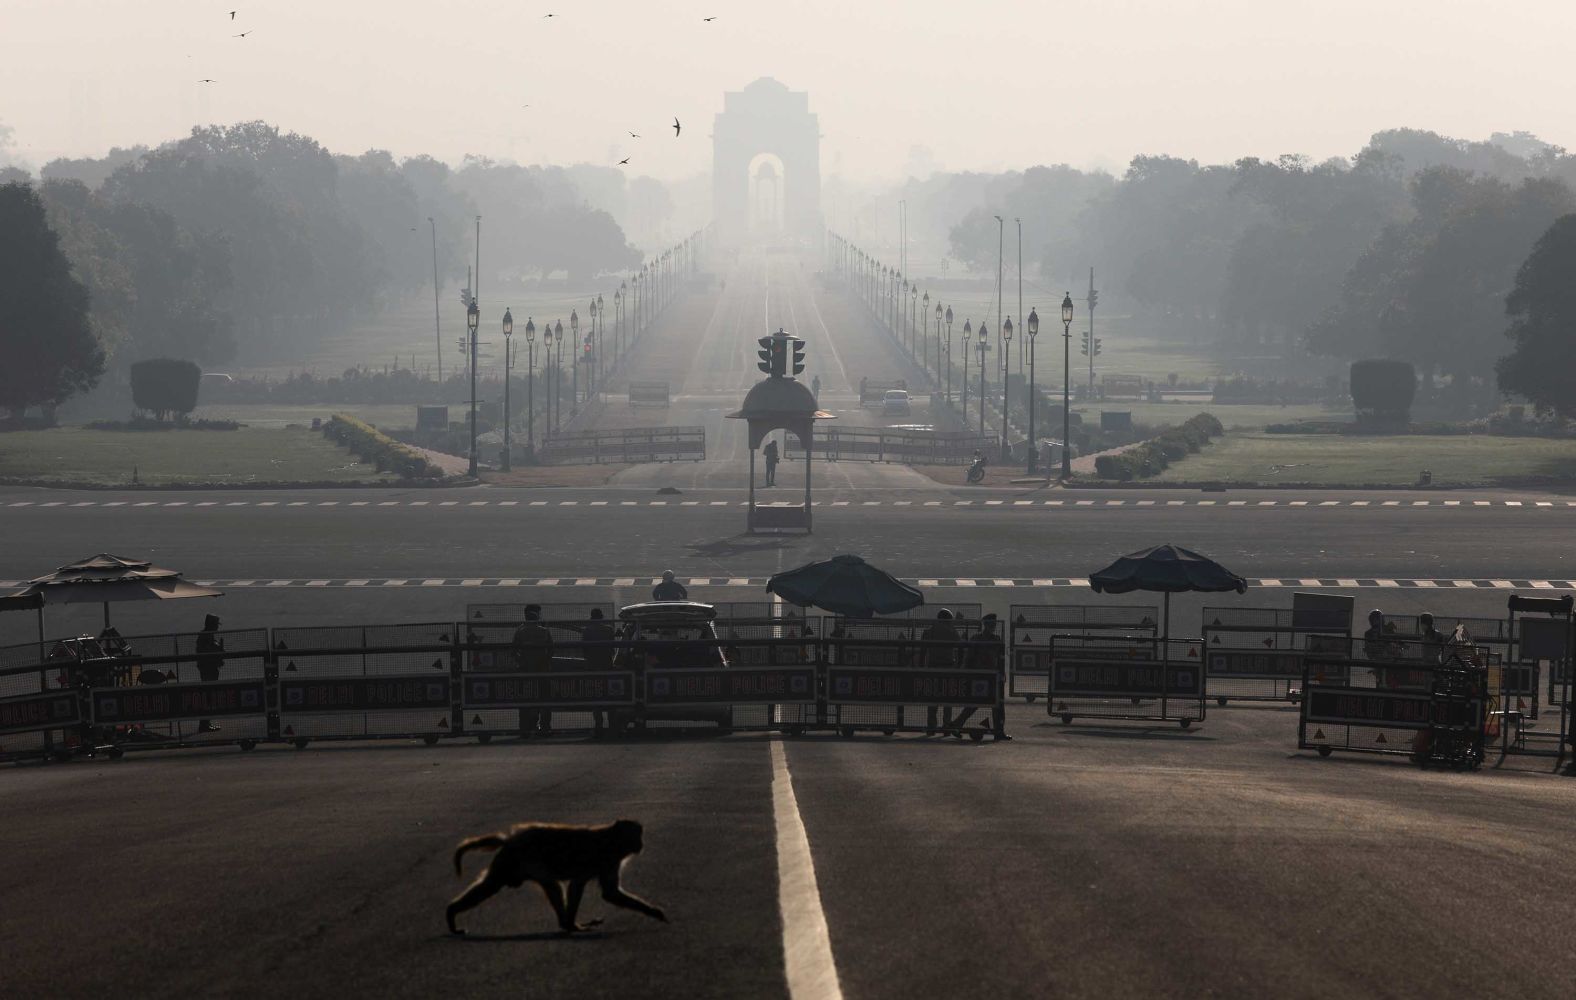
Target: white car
<point>895,402</point>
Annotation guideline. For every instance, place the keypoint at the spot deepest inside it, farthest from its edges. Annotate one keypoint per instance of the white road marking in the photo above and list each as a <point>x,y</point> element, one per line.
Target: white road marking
<point>807,944</point>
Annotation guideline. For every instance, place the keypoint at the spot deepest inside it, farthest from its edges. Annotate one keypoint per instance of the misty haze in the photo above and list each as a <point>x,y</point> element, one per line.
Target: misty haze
<point>823,500</point>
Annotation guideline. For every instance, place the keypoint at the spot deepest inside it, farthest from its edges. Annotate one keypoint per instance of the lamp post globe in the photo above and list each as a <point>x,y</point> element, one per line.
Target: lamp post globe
<point>1067,356</point>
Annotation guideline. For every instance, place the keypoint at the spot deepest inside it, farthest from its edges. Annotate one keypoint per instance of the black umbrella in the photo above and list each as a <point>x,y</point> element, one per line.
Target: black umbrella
<point>845,585</point>
<point>1167,569</point>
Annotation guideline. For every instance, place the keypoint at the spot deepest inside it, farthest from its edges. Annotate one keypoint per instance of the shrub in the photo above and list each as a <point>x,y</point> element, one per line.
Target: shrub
<point>164,386</point>
<point>149,424</point>
<point>1382,392</point>
<point>1152,457</point>
<point>372,445</point>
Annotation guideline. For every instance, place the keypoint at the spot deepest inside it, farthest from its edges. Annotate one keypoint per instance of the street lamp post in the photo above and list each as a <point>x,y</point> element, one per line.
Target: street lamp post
<point>618,318</point>
<point>530,389</point>
<point>968,332</point>
<point>473,315</point>
<point>1067,355</point>
<point>574,363</point>
<point>913,310</point>
<point>558,377</point>
<point>601,335</point>
<point>983,347</point>
<point>948,342</point>
<point>1034,447</point>
<point>508,367</point>
<point>1006,386</point>
<point>547,361</point>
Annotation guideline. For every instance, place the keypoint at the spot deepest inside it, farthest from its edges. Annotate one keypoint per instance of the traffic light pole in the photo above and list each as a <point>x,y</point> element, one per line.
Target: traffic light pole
<point>1093,347</point>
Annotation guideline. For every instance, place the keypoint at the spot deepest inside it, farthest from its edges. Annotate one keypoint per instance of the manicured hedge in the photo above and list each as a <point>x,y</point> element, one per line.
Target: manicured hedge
<point>1151,457</point>
<point>372,445</point>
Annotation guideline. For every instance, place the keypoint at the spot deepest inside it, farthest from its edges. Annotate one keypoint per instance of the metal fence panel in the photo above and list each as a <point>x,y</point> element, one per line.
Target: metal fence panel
<point>1138,678</point>
<point>1030,627</point>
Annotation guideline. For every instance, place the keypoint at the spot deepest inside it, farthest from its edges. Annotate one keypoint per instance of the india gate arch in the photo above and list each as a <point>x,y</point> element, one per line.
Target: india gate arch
<point>766,118</point>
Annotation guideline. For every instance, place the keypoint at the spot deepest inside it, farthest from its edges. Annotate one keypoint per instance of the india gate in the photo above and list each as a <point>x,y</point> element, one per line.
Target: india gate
<point>766,164</point>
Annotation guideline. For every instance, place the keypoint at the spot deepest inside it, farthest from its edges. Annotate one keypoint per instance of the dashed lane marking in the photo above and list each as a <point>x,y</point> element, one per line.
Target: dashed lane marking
<point>756,582</point>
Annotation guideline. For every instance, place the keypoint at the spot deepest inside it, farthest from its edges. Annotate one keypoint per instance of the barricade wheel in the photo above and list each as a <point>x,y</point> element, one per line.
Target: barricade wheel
<point>484,738</point>
<point>430,739</point>
<point>888,732</point>
<point>1067,720</point>
<point>1135,701</point>
<point>300,742</point>
<point>116,753</point>
<point>248,745</point>
<point>978,737</point>
<point>1325,751</point>
<point>1184,723</point>
<point>1221,702</point>
<point>848,732</point>
<point>1030,698</point>
<point>795,730</point>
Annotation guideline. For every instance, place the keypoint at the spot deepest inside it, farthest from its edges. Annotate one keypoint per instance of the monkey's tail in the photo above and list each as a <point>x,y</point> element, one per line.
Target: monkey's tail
<point>486,842</point>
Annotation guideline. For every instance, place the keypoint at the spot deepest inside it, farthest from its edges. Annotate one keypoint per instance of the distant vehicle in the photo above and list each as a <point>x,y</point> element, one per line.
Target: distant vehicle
<point>684,635</point>
<point>895,402</point>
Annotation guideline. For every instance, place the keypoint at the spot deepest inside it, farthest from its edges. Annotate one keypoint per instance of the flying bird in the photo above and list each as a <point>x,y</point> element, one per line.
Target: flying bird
<point>634,135</point>
<point>549,15</point>
<point>708,19</point>
<point>676,128</point>
<point>244,33</point>
<point>623,161</point>
<point>206,80</point>
<point>232,15</point>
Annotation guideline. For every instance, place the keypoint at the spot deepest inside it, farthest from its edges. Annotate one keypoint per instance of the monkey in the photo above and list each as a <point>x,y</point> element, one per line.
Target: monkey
<point>551,854</point>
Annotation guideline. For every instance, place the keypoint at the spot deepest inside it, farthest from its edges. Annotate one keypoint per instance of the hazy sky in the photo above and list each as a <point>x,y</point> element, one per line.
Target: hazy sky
<point>982,84</point>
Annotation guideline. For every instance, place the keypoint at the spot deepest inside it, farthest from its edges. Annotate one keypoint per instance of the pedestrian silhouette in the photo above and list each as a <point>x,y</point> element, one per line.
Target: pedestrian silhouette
<point>815,388</point>
<point>771,463</point>
<point>598,657</point>
<point>533,653</point>
<point>669,589</point>
<point>210,657</point>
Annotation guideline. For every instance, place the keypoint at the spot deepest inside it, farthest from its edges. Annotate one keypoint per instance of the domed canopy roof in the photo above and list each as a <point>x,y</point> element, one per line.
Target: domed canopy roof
<point>777,397</point>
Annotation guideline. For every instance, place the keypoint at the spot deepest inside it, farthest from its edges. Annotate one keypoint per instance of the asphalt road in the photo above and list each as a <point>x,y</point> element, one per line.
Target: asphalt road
<point>1075,861</point>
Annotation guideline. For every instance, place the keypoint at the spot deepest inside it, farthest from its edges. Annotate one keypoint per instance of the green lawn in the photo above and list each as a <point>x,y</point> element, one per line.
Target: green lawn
<point>251,454</point>
<point>1247,415</point>
<point>384,416</point>
<point>1475,460</point>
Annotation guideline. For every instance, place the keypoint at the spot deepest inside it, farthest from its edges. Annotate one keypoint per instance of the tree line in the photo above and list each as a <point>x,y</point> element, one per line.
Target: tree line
<point>1408,249</point>
<point>251,241</point>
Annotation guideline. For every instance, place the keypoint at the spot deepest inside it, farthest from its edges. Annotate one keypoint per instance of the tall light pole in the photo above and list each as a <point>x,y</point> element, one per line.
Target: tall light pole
<point>1034,446</point>
<point>1067,355</point>
<point>547,360</point>
<point>1000,235</point>
<point>1020,292</point>
<point>574,363</point>
<point>968,333</point>
<point>437,326</point>
<point>949,351</point>
<point>1006,386</point>
<point>924,354</point>
<point>530,389</point>
<point>983,347</point>
<point>508,369</point>
<point>913,309</point>
<point>558,377</point>
<point>473,315</point>
<point>601,335</point>
<point>618,318</point>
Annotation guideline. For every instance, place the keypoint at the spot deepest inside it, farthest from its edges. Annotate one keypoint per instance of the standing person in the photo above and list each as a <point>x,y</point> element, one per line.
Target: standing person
<point>771,462</point>
<point>533,653</point>
<point>985,653</point>
<point>1377,646</point>
<point>598,657</point>
<point>938,658</point>
<point>815,389</point>
<point>669,589</point>
<point>210,657</point>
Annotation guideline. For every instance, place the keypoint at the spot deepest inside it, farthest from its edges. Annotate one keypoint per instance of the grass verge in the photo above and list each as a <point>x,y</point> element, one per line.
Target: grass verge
<point>177,457</point>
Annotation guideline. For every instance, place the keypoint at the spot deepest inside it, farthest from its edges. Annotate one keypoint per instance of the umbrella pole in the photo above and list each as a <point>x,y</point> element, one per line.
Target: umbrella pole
<point>1165,655</point>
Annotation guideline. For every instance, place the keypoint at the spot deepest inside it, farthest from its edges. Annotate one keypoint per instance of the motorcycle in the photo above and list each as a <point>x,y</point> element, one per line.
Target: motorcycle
<point>977,470</point>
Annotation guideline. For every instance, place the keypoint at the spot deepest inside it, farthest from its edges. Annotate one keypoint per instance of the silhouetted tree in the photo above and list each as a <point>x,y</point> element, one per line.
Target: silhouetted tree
<point>46,340</point>
<point>1542,307</point>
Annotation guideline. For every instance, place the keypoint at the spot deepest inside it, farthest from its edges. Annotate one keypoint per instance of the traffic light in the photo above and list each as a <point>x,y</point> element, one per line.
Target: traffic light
<point>1094,298</point>
<point>773,355</point>
<point>798,357</point>
<point>1084,350</point>
<point>1096,346</point>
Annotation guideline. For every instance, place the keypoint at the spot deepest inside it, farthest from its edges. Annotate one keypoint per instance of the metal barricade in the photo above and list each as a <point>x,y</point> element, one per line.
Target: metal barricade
<point>1428,701</point>
<point>893,675</point>
<point>36,714</point>
<point>1132,678</point>
<point>1030,627</point>
<point>1258,654</point>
